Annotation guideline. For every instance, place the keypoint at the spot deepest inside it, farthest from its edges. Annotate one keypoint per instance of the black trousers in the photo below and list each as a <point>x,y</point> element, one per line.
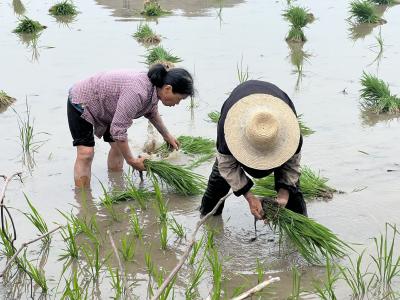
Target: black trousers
<point>217,188</point>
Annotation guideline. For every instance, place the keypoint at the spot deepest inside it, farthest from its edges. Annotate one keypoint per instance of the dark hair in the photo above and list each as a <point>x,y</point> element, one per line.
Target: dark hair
<point>180,79</point>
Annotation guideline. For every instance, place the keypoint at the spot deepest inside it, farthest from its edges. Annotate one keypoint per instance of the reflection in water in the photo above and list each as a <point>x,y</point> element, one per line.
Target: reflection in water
<point>65,20</point>
<point>369,118</point>
<point>360,31</point>
<point>18,6</point>
<point>30,40</point>
<point>297,57</point>
<point>379,49</point>
<point>132,8</point>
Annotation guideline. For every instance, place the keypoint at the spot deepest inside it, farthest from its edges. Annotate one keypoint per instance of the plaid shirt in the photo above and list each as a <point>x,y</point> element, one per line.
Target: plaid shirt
<point>114,99</point>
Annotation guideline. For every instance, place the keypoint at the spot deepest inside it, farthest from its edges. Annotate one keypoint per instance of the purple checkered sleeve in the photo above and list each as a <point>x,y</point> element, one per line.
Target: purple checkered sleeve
<point>114,99</point>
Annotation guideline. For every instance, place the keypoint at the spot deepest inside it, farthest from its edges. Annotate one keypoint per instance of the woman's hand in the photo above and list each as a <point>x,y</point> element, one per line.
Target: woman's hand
<point>138,163</point>
<point>172,141</point>
<point>255,205</point>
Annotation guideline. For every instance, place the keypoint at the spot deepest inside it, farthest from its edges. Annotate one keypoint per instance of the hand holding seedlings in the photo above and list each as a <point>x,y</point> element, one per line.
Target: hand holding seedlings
<point>255,205</point>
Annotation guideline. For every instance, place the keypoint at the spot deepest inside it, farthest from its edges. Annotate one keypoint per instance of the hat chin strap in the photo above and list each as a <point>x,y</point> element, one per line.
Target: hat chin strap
<point>261,130</point>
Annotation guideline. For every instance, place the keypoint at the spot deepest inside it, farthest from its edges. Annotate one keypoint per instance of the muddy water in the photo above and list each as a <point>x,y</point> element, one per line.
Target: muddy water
<point>354,150</point>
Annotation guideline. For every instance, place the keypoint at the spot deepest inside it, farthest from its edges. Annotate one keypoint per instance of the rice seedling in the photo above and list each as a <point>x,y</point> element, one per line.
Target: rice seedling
<point>160,55</point>
<point>74,290</point>
<point>159,277</point>
<point>27,136</point>
<point>72,249</point>
<point>176,227</point>
<point>37,220</point>
<point>304,129</point>
<point>191,291</point>
<point>163,235</point>
<point>377,97</point>
<point>295,295</point>
<point>152,8</point>
<point>363,11</point>
<point>242,74</point>
<point>64,8</point>
<point>149,263</point>
<point>7,249</point>
<point>355,278</point>
<point>107,200</point>
<point>131,192</point>
<point>18,7</point>
<point>27,25</point>
<point>311,239</point>
<point>325,290</point>
<point>82,226</point>
<point>195,250</point>
<point>214,116</point>
<point>216,269</point>
<point>116,283</point>
<point>210,244</point>
<point>180,179</point>
<point>260,271</point>
<point>387,264</point>
<point>312,185</point>
<point>134,221</point>
<point>128,248</point>
<point>298,17</point>
<point>161,204</point>
<point>144,34</point>
<point>379,45</point>
<point>93,260</point>
<point>36,274</point>
<point>5,99</point>
<point>200,160</point>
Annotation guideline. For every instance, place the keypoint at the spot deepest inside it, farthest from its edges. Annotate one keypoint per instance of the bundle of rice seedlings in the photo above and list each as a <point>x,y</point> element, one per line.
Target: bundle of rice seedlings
<point>160,55</point>
<point>152,8</point>
<point>191,145</point>
<point>304,129</point>
<point>178,178</point>
<point>311,239</point>
<point>299,17</point>
<point>363,11</point>
<point>311,184</point>
<point>144,34</point>
<point>214,116</point>
<point>376,95</point>
<point>27,25</point>
<point>5,100</point>
<point>64,8</point>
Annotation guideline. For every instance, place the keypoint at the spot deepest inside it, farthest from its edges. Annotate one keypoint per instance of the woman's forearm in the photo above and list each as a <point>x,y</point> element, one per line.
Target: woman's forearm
<point>158,123</point>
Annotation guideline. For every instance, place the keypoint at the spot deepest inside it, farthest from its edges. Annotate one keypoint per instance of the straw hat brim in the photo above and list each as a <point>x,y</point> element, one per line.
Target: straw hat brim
<point>273,155</point>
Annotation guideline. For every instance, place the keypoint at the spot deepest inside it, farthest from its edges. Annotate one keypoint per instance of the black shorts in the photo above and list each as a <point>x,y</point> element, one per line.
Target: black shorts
<point>81,130</point>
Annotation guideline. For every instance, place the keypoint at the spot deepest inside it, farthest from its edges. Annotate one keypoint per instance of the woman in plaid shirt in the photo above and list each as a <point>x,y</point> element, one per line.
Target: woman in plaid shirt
<point>106,104</point>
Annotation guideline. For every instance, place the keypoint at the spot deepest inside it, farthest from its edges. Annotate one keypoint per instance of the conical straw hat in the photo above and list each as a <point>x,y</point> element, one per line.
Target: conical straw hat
<point>261,131</point>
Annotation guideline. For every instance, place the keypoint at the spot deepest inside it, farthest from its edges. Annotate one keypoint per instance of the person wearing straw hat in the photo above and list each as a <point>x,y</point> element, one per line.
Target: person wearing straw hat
<point>258,134</point>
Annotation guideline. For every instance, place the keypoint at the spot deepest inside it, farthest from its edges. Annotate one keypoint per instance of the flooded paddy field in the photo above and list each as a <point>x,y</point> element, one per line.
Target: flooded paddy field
<point>357,151</point>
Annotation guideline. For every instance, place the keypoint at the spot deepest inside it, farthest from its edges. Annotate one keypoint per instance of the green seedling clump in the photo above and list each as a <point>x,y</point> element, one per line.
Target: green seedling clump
<point>377,97</point>
<point>5,100</point>
<point>384,2</point>
<point>160,55</point>
<point>64,8</point>
<point>298,17</point>
<point>214,116</point>
<point>152,8</point>
<point>30,26</point>
<point>363,11</point>
<point>311,239</point>
<point>304,129</point>
<point>312,185</point>
<point>144,34</point>
<point>180,179</point>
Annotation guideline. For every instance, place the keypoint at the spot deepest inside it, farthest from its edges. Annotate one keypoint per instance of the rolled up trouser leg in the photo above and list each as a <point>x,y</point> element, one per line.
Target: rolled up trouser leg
<point>217,188</point>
